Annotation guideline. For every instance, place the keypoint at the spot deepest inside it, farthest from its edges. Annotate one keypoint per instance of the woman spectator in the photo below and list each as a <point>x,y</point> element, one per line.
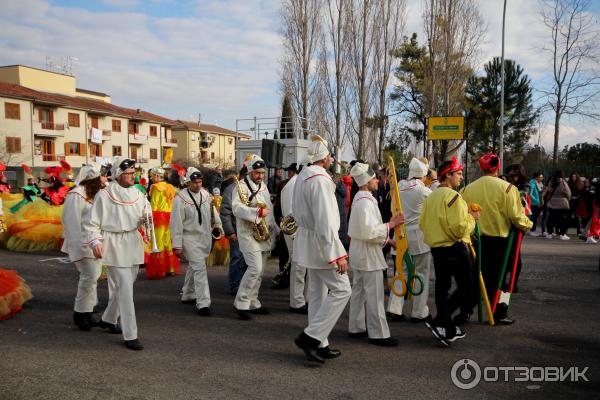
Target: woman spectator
<point>536,187</point>
<point>559,195</point>
<point>575,187</point>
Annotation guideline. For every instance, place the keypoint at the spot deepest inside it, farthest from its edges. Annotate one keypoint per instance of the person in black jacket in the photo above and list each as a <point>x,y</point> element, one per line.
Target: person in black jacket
<point>237,264</point>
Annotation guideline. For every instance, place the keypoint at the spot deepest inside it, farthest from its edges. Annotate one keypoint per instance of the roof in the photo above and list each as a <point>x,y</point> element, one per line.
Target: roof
<point>91,92</point>
<point>38,69</point>
<point>208,128</point>
<point>82,103</point>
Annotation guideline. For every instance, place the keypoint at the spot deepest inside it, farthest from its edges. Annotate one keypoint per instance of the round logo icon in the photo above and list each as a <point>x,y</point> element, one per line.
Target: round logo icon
<point>465,374</point>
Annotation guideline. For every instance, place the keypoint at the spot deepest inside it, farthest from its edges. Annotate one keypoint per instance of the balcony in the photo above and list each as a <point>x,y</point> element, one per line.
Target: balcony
<point>141,160</point>
<point>106,134</point>
<point>136,138</point>
<point>169,142</point>
<point>43,160</point>
<point>49,129</point>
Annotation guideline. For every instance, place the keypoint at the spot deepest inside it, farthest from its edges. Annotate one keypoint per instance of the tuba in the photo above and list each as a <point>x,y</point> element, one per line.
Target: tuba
<point>288,225</point>
<point>260,231</point>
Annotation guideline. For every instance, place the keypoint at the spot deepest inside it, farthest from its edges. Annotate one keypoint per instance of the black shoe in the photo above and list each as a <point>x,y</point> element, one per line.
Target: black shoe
<point>419,320</point>
<point>134,344</point>
<point>504,320</point>
<point>90,317</point>
<point>112,328</point>
<point>461,319</point>
<point>439,333</point>
<point>281,285</point>
<point>190,301</point>
<point>244,314</point>
<point>204,311</point>
<point>260,311</point>
<point>328,353</point>
<point>387,342</point>
<point>395,317</point>
<point>299,310</point>
<point>82,321</point>
<point>459,334</point>
<point>357,335</point>
<point>309,347</point>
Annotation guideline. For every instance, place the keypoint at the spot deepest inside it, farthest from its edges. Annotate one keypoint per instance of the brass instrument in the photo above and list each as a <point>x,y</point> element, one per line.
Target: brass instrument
<point>216,231</point>
<point>260,231</point>
<point>2,224</point>
<point>149,227</point>
<point>288,225</point>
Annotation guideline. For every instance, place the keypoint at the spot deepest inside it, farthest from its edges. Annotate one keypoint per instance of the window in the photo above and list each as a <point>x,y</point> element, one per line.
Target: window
<point>94,121</point>
<point>230,140</point>
<point>74,120</point>
<point>193,137</point>
<point>72,149</point>
<point>133,152</point>
<point>117,149</point>
<point>12,111</point>
<point>193,154</point>
<point>46,118</point>
<point>153,131</point>
<point>212,155</point>
<point>153,154</point>
<point>13,144</point>
<point>95,150</point>
<point>116,125</point>
<point>132,128</point>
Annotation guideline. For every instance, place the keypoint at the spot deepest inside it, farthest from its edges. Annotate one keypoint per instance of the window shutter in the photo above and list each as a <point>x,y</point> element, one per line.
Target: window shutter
<point>67,149</point>
<point>51,116</point>
<point>40,115</point>
<point>9,145</point>
<point>82,147</point>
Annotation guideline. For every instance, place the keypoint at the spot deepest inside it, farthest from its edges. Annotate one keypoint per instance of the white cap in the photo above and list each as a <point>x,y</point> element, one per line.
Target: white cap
<point>317,149</point>
<point>255,163</point>
<point>362,173</point>
<point>157,171</point>
<point>86,173</point>
<point>216,191</point>
<point>417,169</point>
<point>120,165</point>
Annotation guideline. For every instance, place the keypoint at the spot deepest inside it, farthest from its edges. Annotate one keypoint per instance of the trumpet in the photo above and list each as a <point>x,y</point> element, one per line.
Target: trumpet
<point>149,227</point>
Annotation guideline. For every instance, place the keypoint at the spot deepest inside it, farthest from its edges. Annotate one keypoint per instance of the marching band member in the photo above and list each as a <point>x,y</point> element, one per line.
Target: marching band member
<point>191,226</point>
<point>161,196</point>
<point>297,273</point>
<point>502,209</point>
<point>77,208</point>
<point>413,194</point>
<point>368,235</point>
<point>247,214</point>
<point>4,185</point>
<point>112,231</point>
<point>447,224</point>
<point>318,248</point>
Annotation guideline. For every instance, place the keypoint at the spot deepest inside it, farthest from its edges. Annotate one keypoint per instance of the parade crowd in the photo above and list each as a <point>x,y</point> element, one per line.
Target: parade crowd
<point>321,228</point>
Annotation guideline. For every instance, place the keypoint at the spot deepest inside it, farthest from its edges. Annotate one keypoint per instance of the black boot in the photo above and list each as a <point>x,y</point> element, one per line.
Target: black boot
<point>90,317</point>
<point>82,321</point>
<point>309,346</point>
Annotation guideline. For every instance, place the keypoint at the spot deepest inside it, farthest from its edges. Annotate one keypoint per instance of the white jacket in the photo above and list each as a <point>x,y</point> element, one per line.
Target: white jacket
<point>76,209</point>
<point>413,194</point>
<point>114,219</point>
<point>315,209</point>
<point>186,231</point>
<point>368,234</point>
<point>246,217</point>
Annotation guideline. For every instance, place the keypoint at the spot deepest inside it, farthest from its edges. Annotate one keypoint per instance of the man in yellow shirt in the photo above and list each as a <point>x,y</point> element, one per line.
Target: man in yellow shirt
<point>447,224</point>
<point>501,210</point>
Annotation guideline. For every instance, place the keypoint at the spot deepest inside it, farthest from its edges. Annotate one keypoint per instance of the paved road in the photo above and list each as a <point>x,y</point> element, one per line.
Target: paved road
<point>43,356</point>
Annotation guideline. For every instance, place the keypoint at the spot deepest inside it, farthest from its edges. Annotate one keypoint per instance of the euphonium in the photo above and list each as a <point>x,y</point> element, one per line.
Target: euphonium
<point>288,225</point>
<point>260,231</point>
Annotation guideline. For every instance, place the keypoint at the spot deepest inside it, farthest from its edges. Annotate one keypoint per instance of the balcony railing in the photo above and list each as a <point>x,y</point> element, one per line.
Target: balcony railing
<point>53,157</point>
<point>172,140</point>
<point>52,126</point>
<point>138,137</point>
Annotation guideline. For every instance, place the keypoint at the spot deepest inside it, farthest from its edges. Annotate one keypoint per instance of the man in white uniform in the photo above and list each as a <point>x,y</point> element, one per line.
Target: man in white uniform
<point>297,273</point>
<point>368,235</point>
<point>191,225</point>
<point>255,253</point>
<point>112,231</point>
<point>318,248</point>
<point>413,194</point>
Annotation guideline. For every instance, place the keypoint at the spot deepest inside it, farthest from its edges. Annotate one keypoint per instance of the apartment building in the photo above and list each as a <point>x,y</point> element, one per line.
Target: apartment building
<point>45,118</point>
<point>204,144</point>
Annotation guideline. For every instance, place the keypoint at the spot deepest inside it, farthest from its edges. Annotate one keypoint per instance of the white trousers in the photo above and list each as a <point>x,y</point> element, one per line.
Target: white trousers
<point>368,298</point>
<point>195,284</point>
<point>297,278</point>
<point>87,294</point>
<point>120,299</point>
<point>328,294</point>
<point>247,294</point>
<point>423,264</point>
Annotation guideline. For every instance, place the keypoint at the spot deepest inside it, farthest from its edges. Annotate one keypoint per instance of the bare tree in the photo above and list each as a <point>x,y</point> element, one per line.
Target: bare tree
<point>454,30</point>
<point>390,17</point>
<point>574,52</point>
<point>301,27</point>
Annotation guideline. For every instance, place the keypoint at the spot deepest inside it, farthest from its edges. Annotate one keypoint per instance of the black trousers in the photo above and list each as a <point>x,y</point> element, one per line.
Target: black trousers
<point>453,262</point>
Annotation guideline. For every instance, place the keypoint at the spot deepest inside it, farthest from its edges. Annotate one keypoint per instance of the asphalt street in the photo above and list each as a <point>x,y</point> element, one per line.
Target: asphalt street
<point>186,356</point>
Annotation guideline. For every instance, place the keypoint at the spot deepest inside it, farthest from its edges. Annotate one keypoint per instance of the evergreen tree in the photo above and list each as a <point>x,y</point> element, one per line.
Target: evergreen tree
<point>286,127</point>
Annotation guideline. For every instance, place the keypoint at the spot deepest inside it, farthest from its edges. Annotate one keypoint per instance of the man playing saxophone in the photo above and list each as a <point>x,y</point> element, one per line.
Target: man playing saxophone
<point>191,226</point>
<point>256,227</point>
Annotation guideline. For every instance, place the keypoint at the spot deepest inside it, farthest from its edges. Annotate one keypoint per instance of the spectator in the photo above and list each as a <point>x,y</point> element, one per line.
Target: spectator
<point>274,181</point>
<point>559,195</point>
<point>218,178</point>
<point>575,189</point>
<point>536,187</point>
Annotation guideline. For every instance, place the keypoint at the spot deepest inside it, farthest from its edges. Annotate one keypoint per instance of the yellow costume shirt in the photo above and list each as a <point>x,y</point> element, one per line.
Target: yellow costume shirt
<point>445,219</point>
<point>500,206</point>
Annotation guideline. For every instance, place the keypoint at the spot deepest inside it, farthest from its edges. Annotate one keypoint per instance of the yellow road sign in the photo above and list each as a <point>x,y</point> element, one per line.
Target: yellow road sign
<point>443,128</point>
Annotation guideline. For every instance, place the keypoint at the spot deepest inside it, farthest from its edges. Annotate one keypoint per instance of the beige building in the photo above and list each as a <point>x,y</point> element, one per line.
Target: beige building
<point>206,145</point>
<point>45,118</point>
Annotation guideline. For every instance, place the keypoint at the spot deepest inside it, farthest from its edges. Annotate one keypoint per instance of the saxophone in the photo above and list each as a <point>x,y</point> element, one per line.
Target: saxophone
<point>260,231</point>
<point>216,231</point>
